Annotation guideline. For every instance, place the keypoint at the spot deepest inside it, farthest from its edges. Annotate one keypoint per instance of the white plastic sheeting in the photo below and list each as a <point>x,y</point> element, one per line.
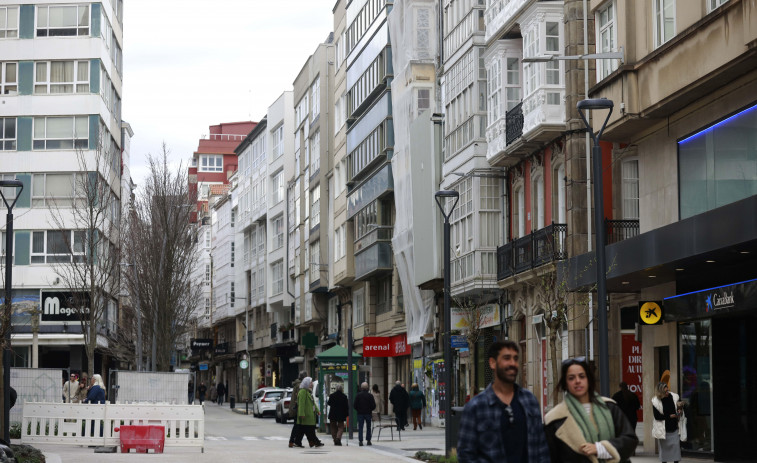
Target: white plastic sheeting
<point>35,385</point>
<point>412,33</point>
<point>153,387</point>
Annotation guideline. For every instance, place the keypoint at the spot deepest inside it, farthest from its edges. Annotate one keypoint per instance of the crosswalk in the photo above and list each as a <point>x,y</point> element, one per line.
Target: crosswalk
<point>248,438</point>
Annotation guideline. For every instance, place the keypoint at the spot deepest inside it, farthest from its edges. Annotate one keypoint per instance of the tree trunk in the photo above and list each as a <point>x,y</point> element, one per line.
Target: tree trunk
<point>555,368</point>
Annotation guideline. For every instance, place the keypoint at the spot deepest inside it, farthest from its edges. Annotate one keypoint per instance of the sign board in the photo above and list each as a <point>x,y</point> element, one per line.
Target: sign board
<point>203,367</point>
<point>737,297</point>
<point>58,306</point>
<point>386,346</point>
<point>487,316</point>
<point>201,344</point>
<point>458,341</point>
<point>650,313</point>
<point>243,364</point>
<point>632,367</point>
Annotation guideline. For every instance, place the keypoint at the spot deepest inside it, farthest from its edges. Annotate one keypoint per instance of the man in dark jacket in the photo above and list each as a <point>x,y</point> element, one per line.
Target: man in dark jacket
<point>400,399</point>
<point>364,405</point>
<point>339,409</point>
<point>629,403</point>
<point>293,411</point>
<point>221,390</point>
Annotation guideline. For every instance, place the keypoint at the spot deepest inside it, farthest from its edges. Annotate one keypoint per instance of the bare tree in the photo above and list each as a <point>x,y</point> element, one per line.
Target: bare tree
<point>84,244</point>
<point>162,245</point>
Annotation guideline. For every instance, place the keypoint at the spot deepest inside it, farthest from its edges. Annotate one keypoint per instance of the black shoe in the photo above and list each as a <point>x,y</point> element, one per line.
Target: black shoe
<point>319,444</point>
<point>369,443</point>
<point>361,444</point>
<point>299,446</point>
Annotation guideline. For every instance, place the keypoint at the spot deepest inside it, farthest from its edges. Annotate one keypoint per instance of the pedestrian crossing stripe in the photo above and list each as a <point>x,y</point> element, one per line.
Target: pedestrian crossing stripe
<point>249,438</point>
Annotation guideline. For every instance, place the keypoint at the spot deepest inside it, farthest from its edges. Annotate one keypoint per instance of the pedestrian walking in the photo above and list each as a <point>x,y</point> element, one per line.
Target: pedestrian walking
<point>400,401</point>
<point>221,391</point>
<point>586,426</point>
<point>212,393</point>
<point>84,386</point>
<point>339,410</point>
<point>629,403</point>
<point>70,388</point>
<point>191,392</point>
<point>379,403</point>
<point>364,405</point>
<point>503,423</point>
<point>417,404</point>
<point>307,413</point>
<point>667,409</point>
<point>201,391</point>
<point>295,437</point>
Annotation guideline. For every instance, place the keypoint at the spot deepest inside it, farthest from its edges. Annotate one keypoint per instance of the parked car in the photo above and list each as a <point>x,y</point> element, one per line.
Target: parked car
<point>282,406</point>
<point>264,400</point>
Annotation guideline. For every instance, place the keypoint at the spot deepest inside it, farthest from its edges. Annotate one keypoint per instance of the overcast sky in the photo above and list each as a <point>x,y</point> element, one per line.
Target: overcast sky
<point>189,64</point>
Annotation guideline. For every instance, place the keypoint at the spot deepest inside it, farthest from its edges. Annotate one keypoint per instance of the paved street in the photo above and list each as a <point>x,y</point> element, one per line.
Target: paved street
<point>233,437</point>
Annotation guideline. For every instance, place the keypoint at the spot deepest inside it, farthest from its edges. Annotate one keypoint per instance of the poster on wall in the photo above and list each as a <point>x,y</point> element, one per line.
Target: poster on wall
<point>632,366</point>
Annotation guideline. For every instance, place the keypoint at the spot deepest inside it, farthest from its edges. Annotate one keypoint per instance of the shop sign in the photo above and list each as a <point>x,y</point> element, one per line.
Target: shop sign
<point>632,367</point>
<point>201,344</point>
<point>385,346</point>
<point>737,297</point>
<point>203,367</point>
<point>489,316</point>
<point>221,349</point>
<point>650,313</point>
<point>458,341</point>
<point>243,364</point>
<point>61,306</point>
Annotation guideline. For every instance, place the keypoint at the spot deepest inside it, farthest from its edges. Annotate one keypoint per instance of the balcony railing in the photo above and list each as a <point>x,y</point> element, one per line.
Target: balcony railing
<point>619,230</point>
<point>531,251</point>
<point>514,123</point>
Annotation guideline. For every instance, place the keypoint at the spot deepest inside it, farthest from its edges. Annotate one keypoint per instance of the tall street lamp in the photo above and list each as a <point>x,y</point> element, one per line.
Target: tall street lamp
<point>596,154</point>
<point>8,299</point>
<point>442,197</point>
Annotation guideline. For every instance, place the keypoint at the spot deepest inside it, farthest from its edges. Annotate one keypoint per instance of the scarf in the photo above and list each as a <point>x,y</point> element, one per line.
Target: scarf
<point>604,428</point>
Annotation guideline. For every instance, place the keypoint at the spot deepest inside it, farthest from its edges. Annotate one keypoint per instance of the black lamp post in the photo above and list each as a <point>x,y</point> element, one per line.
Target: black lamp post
<point>596,154</point>
<point>8,303</point>
<point>441,198</point>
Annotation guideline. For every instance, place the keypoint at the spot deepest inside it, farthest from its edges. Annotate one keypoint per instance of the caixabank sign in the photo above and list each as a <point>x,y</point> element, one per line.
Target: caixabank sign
<point>58,306</point>
<point>709,302</point>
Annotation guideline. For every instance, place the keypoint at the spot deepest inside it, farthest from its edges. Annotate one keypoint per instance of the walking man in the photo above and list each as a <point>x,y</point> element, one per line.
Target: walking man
<point>221,390</point>
<point>503,424</point>
<point>339,409</point>
<point>629,403</point>
<point>364,405</point>
<point>400,399</point>
<point>293,412</point>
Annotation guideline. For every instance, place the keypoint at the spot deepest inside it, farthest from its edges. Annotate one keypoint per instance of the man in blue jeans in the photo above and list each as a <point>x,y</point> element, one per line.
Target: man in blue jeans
<point>364,406</point>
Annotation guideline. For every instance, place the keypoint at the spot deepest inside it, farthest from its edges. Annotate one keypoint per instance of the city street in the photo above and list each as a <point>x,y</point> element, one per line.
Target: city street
<point>234,437</point>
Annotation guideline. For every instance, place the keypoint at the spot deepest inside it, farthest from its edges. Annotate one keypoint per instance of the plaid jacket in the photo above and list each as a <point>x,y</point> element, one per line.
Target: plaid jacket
<point>480,436</point>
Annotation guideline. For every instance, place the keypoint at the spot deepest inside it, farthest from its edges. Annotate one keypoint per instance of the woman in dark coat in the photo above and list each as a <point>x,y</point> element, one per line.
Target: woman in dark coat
<point>586,427</point>
<point>339,409</point>
<point>417,403</point>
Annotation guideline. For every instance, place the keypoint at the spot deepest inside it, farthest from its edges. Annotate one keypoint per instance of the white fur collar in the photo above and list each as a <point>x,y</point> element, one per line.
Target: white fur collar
<point>571,434</point>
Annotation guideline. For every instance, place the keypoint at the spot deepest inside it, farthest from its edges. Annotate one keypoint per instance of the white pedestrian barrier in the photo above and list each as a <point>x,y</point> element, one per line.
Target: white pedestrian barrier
<point>92,424</point>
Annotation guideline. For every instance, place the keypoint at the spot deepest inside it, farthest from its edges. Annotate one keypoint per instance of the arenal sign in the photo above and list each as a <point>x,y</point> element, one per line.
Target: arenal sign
<point>385,346</point>
<point>60,306</point>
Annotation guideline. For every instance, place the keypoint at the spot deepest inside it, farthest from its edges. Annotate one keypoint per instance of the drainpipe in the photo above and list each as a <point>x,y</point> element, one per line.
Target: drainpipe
<point>587,143</point>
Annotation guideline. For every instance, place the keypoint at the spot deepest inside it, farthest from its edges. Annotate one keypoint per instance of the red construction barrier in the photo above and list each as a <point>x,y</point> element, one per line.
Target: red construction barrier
<point>142,438</point>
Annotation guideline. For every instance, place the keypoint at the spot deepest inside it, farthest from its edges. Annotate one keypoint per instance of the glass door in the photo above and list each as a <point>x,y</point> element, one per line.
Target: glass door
<point>696,383</point>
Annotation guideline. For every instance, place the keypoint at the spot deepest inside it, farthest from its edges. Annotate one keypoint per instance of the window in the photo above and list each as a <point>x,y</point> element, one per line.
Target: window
<point>553,37</point>
<point>278,232</point>
<point>315,91</point>
<point>277,188</point>
<point>630,173</point>
<point>60,133</point>
<point>519,213</point>
<point>340,242</point>
<point>315,261</point>
<point>62,77</point>
<point>63,20</point>
<point>713,4</point>
<point>278,142</point>
<point>538,202</point>
<point>606,39</point>
<point>233,217</point>
<point>333,315</point>
<point>490,216</point>
<point>277,278</point>
<point>8,22</point>
<point>384,295</point>
<point>207,239</point>
<point>232,253</point>
<point>57,246</point>
<point>207,274</point>
<point>57,190</point>
<point>8,78</point>
<point>512,83</point>
<point>494,84</point>
<point>315,200</point>
<point>664,21</point>
<point>422,100</point>
<point>422,29</point>
<point>358,307</point>
<point>7,133</point>
<point>315,152</point>
<point>207,307</point>
<point>211,163</point>
<point>559,187</point>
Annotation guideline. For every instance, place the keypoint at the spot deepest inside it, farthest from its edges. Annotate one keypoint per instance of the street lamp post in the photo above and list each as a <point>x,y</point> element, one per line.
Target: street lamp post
<point>604,360</point>
<point>8,299</point>
<point>442,198</point>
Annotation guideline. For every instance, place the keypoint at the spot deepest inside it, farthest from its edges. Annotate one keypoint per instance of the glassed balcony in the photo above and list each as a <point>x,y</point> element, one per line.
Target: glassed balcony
<point>472,129</point>
<point>374,260</point>
<point>531,251</point>
<point>472,22</point>
<point>501,15</point>
<point>476,264</point>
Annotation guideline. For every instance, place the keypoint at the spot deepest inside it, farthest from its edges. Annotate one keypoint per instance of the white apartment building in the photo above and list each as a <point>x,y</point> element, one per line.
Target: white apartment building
<point>60,94</point>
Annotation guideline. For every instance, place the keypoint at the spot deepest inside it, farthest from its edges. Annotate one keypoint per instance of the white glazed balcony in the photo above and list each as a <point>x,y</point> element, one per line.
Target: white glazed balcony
<point>501,15</point>
<point>540,117</point>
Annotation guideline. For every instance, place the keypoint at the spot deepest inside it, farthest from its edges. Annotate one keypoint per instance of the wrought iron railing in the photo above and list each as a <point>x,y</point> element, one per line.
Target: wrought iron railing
<point>619,230</point>
<point>533,250</point>
<point>514,123</point>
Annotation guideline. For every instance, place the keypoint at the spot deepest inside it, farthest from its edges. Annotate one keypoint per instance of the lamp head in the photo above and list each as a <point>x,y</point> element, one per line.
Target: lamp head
<point>441,196</point>
<point>445,194</point>
<point>594,103</point>
<point>11,183</point>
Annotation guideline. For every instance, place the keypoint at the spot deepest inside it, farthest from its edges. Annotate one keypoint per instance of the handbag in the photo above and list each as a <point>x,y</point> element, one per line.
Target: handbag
<point>682,433</point>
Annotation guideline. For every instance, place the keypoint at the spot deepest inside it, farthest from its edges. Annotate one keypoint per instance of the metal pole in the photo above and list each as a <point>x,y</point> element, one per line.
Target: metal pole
<point>350,386</point>
<point>447,344</point>
<point>604,359</point>
<point>8,302</point>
